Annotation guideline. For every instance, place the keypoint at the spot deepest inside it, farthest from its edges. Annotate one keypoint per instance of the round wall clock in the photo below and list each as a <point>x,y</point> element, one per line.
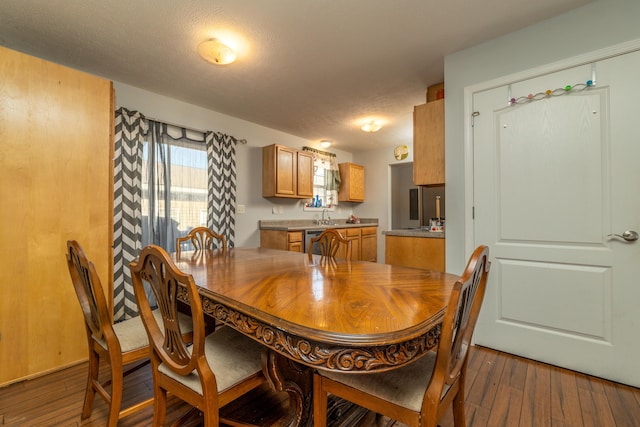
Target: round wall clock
<point>401,152</point>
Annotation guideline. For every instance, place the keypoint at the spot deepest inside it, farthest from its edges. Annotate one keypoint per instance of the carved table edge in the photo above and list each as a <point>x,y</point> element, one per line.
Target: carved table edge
<point>316,354</point>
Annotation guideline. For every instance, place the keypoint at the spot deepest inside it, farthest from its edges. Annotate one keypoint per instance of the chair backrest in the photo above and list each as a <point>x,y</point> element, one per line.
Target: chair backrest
<point>202,238</point>
<point>155,268</point>
<point>89,291</point>
<point>330,241</point>
<point>459,322</point>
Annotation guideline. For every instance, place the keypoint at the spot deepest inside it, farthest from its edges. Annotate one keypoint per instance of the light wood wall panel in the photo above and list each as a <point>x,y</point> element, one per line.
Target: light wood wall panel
<point>55,184</point>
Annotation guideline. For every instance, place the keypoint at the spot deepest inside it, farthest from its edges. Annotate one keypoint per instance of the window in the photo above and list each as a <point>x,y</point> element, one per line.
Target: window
<point>179,165</point>
<point>319,187</point>
<point>326,179</point>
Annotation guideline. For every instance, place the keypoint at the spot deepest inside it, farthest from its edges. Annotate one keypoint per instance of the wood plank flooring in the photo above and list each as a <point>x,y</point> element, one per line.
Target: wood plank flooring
<point>502,390</point>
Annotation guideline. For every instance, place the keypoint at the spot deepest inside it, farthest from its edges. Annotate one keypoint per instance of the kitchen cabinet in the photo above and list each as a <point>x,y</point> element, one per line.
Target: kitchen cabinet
<point>428,143</point>
<point>419,252</point>
<point>295,241</point>
<point>286,172</point>
<point>369,244</point>
<point>283,240</point>
<point>352,182</point>
<point>352,235</point>
<point>56,175</point>
<point>364,241</point>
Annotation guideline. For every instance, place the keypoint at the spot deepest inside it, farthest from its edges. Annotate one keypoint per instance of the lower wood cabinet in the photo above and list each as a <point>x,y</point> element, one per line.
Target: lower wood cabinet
<point>283,240</point>
<point>369,244</point>
<point>295,241</point>
<point>364,242</point>
<point>352,235</point>
<point>419,252</point>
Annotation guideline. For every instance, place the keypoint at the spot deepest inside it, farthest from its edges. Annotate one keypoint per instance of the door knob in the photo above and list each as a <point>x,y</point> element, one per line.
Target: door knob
<point>629,235</point>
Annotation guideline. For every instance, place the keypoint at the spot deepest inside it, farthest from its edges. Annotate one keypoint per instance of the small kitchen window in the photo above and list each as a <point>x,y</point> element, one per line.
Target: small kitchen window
<point>326,180</point>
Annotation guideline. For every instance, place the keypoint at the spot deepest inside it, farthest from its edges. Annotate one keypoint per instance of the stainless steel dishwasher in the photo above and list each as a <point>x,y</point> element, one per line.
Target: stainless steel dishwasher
<point>308,235</point>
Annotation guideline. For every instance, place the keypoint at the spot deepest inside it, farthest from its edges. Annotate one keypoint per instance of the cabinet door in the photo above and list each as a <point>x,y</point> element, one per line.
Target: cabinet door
<point>295,241</point>
<point>352,235</point>
<point>305,174</point>
<point>286,171</point>
<point>428,143</point>
<point>369,244</point>
<point>352,185</point>
<point>356,183</point>
<point>274,239</point>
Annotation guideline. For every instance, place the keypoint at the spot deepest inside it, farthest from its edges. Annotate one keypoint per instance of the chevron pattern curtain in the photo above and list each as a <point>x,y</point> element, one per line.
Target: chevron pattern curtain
<point>130,128</point>
<point>221,177</point>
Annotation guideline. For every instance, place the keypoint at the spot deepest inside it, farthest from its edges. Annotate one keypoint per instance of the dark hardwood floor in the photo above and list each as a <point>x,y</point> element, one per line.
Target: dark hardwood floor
<point>502,390</point>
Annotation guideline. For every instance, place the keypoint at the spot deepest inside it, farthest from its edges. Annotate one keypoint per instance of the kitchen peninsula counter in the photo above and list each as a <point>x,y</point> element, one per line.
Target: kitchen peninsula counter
<point>414,232</point>
<point>417,248</point>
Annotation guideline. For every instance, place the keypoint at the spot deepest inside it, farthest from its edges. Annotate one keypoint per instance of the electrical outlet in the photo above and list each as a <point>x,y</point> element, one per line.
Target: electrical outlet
<point>240,209</point>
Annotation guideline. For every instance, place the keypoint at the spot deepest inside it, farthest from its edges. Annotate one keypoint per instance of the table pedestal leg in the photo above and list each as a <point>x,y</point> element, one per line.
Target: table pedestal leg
<point>297,380</point>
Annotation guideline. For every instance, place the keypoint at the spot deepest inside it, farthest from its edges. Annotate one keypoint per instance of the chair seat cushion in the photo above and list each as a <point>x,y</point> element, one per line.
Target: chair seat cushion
<point>133,336</point>
<point>404,386</point>
<point>232,357</point>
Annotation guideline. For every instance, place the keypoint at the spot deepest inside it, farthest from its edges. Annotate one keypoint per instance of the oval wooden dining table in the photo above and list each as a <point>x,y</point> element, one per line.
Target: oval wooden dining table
<point>350,316</point>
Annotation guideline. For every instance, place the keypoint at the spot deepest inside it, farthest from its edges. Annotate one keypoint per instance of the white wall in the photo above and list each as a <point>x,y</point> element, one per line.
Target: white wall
<point>595,26</point>
<point>249,156</point>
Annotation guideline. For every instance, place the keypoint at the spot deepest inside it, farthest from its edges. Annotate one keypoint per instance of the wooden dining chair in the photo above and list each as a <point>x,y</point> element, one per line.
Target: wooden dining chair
<point>201,238</point>
<point>121,344</point>
<point>217,369</point>
<point>330,241</point>
<point>418,394</point>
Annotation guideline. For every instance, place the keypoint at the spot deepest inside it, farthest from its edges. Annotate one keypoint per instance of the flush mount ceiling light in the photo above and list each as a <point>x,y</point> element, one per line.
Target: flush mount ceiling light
<point>325,144</point>
<point>216,52</point>
<point>371,126</point>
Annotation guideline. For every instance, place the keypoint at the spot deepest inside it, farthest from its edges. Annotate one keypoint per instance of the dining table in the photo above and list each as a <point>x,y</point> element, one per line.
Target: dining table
<point>355,317</point>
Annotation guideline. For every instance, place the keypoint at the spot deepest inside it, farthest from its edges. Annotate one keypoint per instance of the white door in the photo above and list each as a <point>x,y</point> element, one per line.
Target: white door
<point>553,178</point>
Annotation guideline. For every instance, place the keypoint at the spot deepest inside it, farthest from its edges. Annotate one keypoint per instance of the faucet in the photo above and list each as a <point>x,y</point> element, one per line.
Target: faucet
<point>325,221</point>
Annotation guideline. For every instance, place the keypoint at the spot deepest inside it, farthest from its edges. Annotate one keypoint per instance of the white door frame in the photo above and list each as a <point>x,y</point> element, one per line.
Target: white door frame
<point>469,91</point>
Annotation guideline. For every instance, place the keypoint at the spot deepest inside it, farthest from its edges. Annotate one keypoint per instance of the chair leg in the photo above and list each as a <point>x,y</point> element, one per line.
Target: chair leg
<point>458,408</point>
<point>92,378</point>
<point>211,419</point>
<point>458,399</point>
<point>320,399</point>
<point>116,392</point>
<point>159,405</point>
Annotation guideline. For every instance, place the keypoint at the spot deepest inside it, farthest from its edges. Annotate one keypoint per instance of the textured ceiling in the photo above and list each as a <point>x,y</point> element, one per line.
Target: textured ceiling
<point>311,68</point>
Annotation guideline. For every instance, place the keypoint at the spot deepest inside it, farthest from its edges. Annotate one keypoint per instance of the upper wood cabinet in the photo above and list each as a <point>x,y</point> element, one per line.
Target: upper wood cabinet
<point>286,172</point>
<point>428,143</point>
<point>352,183</point>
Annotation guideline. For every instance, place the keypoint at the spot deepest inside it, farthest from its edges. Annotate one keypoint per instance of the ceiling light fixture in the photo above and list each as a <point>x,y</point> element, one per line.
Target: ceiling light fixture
<point>371,126</point>
<point>325,144</point>
<point>216,52</point>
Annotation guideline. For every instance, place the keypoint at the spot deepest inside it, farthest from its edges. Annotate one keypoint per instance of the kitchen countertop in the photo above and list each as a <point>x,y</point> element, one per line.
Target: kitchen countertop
<point>309,224</point>
<point>414,232</point>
